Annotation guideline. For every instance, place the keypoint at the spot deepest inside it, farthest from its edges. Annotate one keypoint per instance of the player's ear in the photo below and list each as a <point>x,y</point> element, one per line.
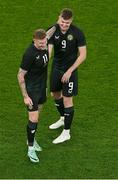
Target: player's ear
<point>34,39</point>
<point>71,20</point>
<point>59,19</point>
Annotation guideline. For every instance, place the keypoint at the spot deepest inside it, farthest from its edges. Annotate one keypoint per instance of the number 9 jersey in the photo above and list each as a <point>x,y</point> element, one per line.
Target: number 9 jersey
<point>65,54</point>
<point>66,46</point>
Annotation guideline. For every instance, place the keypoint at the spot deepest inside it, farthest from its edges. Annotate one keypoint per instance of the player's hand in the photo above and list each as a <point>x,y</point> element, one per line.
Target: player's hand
<point>28,101</point>
<point>65,78</point>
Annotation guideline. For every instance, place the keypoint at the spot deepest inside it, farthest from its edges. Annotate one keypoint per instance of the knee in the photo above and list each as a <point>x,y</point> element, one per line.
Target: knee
<point>56,95</point>
<point>68,101</point>
<point>33,116</point>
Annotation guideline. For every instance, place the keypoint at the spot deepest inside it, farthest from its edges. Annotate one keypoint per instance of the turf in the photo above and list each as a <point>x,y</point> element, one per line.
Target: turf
<point>93,149</point>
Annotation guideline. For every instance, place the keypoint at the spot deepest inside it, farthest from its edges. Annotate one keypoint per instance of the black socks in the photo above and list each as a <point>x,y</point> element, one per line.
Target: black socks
<point>31,129</point>
<point>69,113</point>
<point>60,106</point>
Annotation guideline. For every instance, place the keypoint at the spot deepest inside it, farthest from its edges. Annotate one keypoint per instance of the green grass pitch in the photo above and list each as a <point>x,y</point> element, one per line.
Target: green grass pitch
<point>93,149</point>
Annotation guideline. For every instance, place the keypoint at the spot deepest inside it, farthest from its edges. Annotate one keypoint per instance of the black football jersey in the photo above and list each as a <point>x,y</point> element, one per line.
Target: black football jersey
<point>66,46</point>
<point>35,62</point>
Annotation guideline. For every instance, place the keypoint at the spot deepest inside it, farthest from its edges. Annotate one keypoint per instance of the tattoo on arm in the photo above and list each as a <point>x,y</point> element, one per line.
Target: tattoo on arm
<point>50,47</point>
<point>50,32</point>
<point>21,80</point>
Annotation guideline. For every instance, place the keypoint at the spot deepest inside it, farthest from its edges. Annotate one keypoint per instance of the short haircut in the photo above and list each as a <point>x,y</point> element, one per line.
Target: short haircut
<point>66,13</point>
<point>39,34</point>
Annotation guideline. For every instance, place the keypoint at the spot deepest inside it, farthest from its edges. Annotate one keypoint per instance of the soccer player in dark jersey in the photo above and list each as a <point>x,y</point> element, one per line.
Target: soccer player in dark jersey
<point>69,52</point>
<point>32,77</point>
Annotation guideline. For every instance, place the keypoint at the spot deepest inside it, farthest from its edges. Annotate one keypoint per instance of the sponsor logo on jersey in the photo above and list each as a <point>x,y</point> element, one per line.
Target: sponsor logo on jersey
<point>56,37</point>
<point>38,57</point>
<point>32,131</point>
<point>70,37</point>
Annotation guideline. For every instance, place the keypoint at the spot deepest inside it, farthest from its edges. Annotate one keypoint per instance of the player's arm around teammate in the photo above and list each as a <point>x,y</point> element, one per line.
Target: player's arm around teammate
<point>69,52</point>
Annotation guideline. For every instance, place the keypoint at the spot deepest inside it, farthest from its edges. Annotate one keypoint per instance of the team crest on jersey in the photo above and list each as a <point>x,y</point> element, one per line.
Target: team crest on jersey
<point>70,37</point>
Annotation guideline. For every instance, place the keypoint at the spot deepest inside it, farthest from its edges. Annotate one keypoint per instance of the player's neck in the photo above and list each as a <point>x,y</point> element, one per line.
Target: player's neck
<point>39,48</point>
<point>63,32</point>
<point>36,46</point>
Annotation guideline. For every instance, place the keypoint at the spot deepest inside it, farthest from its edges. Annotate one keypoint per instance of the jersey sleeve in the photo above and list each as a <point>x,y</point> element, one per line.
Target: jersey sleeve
<point>51,40</point>
<point>27,61</point>
<point>81,40</point>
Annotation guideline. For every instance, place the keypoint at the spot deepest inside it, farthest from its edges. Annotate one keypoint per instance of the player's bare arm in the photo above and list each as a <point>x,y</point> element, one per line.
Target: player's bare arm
<point>21,80</point>
<point>80,59</point>
<point>50,47</point>
<point>50,32</point>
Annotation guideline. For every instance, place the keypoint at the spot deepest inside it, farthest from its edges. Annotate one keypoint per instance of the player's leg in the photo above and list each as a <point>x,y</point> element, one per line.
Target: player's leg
<point>31,130</point>
<point>59,102</point>
<point>36,146</point>
<point>69,89</point>
<point>33,115</point>
<point>69,113</point>
<point>32,126</point>
<point>41,99</point>
<point>60,108</point>
<point>55,88</point>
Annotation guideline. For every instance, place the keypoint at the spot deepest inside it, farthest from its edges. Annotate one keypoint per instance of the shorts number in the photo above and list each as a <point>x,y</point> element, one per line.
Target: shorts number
<point>64,44</point>
<point>45,58</point>
<point>70,87</point>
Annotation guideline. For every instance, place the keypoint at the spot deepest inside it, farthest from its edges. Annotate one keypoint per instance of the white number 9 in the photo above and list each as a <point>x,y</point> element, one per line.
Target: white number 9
<point>70,87</point>
<point>64,44</point>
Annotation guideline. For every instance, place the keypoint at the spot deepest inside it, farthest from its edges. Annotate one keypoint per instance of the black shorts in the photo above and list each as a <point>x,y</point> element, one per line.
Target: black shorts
<point>38,97</point>
<point>68,89</point>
